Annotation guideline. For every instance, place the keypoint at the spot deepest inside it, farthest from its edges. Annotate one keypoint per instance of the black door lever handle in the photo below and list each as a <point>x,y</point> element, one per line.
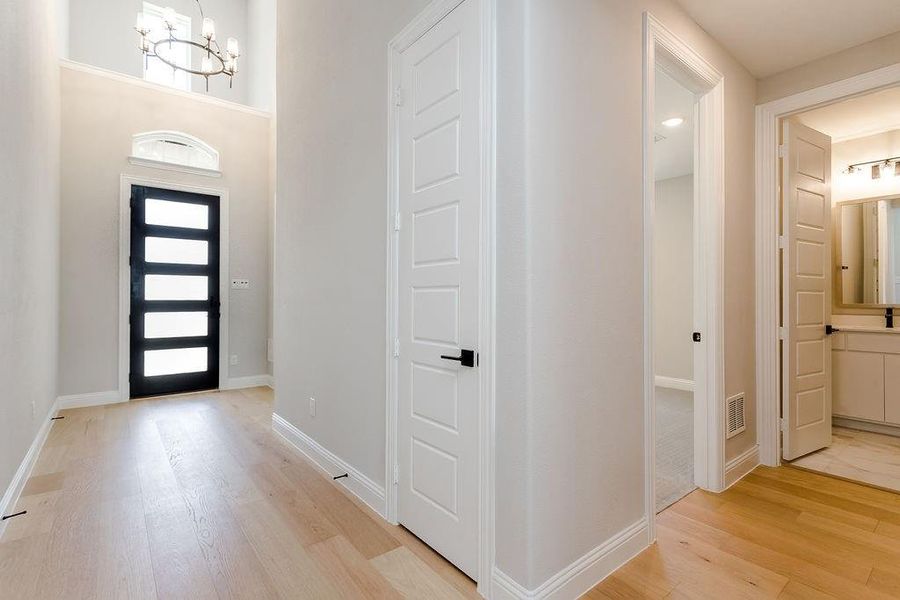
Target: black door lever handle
<point>467,358</point>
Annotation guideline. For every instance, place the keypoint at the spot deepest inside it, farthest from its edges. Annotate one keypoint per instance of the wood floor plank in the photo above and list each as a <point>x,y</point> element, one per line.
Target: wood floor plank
<point>412,577</point>
<point>350,571</point>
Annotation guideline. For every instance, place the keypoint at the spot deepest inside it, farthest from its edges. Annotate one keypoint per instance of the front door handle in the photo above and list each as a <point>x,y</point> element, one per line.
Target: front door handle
<point>467,358</point>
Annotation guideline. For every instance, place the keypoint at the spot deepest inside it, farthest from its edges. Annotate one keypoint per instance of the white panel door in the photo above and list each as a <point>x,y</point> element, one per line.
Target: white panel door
<point>806,263</point>
<point>438,283</point>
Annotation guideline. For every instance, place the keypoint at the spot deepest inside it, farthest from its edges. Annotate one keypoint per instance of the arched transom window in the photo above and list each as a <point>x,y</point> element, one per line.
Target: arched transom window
<point>174,150</point>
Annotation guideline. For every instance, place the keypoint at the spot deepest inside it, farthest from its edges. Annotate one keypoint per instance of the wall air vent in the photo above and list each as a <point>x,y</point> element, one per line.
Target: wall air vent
<point>735,415</point>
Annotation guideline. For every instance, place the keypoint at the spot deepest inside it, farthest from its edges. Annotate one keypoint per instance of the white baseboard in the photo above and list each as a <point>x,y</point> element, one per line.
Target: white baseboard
<point>685,385</point>
<point>93,399</point>
<point>740,465</point>
<point>11,496</point>
<point>882,428</point>
<point>583,574</point>
<point>361,486</point>
<point>241,383</point>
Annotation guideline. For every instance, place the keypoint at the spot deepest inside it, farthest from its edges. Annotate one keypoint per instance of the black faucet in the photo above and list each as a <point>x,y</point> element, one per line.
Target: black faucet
<point>889,317</point>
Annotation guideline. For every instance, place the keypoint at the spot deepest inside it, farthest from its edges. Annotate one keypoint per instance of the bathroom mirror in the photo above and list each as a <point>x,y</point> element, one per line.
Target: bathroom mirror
<point>867,252</point>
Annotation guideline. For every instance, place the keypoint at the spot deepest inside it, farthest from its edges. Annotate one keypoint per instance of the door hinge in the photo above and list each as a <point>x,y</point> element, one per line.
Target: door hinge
<point>396,474</point>
<point>781,242</point>
<point>397,221</point>
<point>697,336</point>
<point>782,424</point>
<point>781,332</point>
<point>396,347</point>
<point>398,97</point>
<point>781,150</point>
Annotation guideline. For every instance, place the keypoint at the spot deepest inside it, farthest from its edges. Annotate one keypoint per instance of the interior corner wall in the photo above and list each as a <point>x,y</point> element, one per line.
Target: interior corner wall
<point>882,52</point>
<point>100,114</point>
<point>570,233</point>
<point>331,230</point>
<point>29,225</point>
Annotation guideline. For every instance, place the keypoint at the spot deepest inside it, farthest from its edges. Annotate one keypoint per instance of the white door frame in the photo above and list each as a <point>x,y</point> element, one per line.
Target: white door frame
<point>662,48</point>
<point>125,272</point>
<point>427,19</point>
<point>768,365</point>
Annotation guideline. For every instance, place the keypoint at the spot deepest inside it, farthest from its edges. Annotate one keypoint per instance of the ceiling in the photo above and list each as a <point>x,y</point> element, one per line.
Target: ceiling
<point>770,36</point>
<point>673,156</point>
<point>856,117</point>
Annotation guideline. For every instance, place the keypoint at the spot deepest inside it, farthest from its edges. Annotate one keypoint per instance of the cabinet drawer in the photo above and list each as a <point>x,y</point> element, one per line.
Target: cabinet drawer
<point>892,389</point>
<point>887,343</point>
<point>858,389</point>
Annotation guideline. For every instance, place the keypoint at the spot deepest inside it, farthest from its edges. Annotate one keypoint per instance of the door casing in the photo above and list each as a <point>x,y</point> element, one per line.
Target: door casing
<point>419,26</point>
<point>768,365</point>
<point>662,48</point>
<point>126,181</point>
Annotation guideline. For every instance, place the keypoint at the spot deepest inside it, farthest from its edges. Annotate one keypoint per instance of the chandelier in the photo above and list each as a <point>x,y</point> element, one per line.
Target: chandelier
<point>215,62</point>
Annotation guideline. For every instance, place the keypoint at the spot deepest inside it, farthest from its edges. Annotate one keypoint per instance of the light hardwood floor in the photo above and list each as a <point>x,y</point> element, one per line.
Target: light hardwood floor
<point>195,497</point>
<point>872,458</point>
<point>778,533</point>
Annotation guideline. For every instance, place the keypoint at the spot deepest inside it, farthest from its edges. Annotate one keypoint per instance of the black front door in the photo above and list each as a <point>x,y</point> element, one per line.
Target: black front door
<point>174,292</point>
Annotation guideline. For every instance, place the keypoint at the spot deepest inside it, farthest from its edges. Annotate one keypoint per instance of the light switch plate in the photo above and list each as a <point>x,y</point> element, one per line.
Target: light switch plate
<point>240,284</point>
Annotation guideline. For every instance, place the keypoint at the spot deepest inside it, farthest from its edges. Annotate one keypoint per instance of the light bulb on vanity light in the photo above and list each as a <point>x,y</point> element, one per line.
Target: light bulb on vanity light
<point>673,122</point>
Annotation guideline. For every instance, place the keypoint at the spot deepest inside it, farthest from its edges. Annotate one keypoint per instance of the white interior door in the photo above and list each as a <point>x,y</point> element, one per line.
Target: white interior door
<point>438,286</point>
<point>806,353</point>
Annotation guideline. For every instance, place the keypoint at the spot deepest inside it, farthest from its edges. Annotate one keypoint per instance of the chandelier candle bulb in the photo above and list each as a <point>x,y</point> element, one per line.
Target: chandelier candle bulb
<point>209,29</point>
<point>232,47</point>
<point>170,17</point>
<point>140,24</point>
<point>206,65</point>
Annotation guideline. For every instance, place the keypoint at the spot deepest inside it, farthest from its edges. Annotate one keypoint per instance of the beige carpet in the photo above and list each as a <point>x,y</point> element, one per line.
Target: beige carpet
<point>674,446</point>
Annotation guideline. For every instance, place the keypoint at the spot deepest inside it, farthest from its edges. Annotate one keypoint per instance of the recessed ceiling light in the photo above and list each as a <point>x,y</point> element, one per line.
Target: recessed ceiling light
<point>673,122</point>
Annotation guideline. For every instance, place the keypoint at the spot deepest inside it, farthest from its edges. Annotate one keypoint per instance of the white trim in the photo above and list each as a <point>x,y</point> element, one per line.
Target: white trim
<point>137,81</point>
<point>126,181</point>
<point>92,399</point>
<point>673,383</point>
<point>149,163</point>
<point>427,19</point>
<point>665,50</point>
<point>768,370</point>
<point>252,381</point>
<point>740,465</point>
<point>11,496</point>
<point>361,486</point>
<point>583,574</point>
<point>870,426</point>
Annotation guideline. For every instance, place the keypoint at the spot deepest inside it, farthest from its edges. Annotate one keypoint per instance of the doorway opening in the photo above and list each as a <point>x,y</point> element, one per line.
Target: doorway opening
<point>839,229</point>
<point>684,423</point>
<point>673,288</point>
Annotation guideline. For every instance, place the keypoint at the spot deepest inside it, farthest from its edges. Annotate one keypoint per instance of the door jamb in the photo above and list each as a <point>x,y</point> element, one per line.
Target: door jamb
<point>126,181</point>
<point>662,48</point>
<point>424,22</point>
<point>768,365</point>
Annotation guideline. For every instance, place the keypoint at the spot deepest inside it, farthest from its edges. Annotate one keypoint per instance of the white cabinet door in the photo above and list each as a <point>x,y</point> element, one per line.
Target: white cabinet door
<point>806,263</point>
<point>859,385</point>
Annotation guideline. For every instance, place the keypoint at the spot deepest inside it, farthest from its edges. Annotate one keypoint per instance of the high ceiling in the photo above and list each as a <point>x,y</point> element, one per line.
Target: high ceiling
<point>857,117</point>
<point>770,36</point>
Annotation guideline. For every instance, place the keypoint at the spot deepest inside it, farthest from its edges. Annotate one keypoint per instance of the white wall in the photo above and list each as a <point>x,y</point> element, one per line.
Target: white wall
<point>260,73</point>
<point>29,225</point>
<point>100,114</point>
<point>102,34</point>
<point>673,278</point>
<point>570,255</point>
<point>330,281</point>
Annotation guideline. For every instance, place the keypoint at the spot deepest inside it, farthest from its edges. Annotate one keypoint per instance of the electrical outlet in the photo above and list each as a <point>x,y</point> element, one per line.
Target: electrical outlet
<point>240,284</point>
<point>312,407</point>
<point>234,359</point>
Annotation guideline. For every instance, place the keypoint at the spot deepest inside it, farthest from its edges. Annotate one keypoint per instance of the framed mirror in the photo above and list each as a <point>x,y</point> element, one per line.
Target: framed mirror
<point>867,252</point>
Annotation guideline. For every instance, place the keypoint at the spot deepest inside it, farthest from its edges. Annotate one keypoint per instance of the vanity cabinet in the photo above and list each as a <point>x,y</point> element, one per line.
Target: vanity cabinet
<point>866,376</point>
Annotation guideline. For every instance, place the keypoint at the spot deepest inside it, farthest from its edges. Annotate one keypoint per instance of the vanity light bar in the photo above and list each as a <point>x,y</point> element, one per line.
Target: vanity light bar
<point>877,166</point>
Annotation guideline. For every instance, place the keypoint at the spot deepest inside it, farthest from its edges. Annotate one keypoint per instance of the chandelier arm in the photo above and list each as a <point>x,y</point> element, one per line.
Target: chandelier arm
<point>177,67</point>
